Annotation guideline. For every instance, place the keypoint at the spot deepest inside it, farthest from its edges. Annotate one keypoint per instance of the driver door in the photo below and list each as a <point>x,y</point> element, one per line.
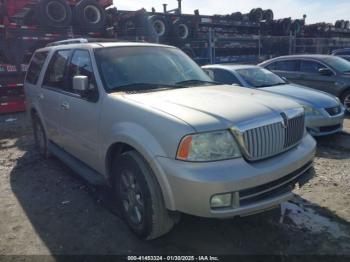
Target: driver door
<point>80,114</point>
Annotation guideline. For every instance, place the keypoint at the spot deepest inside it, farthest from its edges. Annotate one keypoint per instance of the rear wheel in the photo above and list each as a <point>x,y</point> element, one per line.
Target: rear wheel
<point>345,99</point>
<point>40,137</point>
<point>139,197</point>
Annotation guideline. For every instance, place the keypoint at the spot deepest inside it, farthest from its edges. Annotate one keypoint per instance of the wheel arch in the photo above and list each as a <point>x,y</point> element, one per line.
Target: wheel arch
<point>118,148</point>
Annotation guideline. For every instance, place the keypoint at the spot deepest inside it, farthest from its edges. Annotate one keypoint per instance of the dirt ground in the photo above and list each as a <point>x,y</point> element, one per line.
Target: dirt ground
<point>46,209</point>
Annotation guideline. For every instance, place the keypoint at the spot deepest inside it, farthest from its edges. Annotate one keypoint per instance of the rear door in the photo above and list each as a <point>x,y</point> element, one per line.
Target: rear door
<point>33,77</point>
<point>286,68</point>
<point>50,94</point>
<point>80,113</point>
<point>311,77</point>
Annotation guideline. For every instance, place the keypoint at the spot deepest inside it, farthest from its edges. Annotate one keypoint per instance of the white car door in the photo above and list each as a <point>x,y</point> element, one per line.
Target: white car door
<point>80,112</point>
<point>50,94</point>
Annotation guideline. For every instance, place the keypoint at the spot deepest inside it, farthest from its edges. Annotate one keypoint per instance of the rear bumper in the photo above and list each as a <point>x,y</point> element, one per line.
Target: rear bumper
<point>262,184</point>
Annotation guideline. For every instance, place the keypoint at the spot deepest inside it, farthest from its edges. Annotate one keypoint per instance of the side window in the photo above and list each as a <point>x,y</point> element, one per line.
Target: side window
<point>286,65</point>
<point>35,67</point>
<point>225,77</point>
<point>310,67</point>
<point>55,72</point>
<point>342,52</point>
<point>81,65</point>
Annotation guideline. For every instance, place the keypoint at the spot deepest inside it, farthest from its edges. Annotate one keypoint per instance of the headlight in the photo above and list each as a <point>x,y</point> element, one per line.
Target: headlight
<point>211,146</point>
<point>311,111</point>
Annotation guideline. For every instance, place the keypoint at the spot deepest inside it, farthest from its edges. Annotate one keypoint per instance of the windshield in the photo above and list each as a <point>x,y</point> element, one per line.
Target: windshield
<point>338,63</point>
<point>260,77</point>
<point>131,68</point>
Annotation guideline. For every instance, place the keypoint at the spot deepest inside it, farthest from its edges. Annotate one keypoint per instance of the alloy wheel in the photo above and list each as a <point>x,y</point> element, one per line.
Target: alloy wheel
<point>131,197</point>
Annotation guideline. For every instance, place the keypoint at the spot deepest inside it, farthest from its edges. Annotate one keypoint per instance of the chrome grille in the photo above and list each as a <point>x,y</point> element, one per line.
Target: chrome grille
<point>269,140</point>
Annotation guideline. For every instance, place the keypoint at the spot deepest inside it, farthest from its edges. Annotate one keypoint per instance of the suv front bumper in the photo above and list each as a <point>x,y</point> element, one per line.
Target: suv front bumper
<point>258,186</point>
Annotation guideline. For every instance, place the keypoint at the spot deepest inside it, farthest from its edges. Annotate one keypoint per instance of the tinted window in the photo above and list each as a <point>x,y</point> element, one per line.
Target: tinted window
<point>225,77</point>
<point>55,72</point>
<point>35,67</point>
<point>338,64</point>
<point>310,67</point>
<point>81,65</point>
<point>286,65</point>
<point>344,52</point>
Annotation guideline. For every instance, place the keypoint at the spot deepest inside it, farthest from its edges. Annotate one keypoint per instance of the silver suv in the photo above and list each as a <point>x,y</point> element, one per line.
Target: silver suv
<point>147,121</point>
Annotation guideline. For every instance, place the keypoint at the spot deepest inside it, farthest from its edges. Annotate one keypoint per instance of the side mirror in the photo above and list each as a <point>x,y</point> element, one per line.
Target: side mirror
<point>325,72</point>
<point>81,84</point>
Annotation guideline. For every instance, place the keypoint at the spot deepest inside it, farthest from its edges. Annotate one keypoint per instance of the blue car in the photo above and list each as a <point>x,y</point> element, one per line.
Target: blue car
<point>324,112</point>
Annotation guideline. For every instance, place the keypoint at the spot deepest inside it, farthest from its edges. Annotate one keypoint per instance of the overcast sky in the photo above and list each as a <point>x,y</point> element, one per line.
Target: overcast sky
<point>316,10</point>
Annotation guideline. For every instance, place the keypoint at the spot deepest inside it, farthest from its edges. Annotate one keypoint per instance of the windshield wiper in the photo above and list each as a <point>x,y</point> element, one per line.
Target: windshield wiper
<point>278,84</point>
<point>196,82</point>
<point>144,87</point>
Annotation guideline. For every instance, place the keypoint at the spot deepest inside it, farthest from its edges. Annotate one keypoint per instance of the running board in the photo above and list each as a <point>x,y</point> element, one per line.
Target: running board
<point>92,176</point>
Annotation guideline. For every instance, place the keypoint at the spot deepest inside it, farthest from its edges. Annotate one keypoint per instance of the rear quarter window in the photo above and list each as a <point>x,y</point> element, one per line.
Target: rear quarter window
<point>35,67</point>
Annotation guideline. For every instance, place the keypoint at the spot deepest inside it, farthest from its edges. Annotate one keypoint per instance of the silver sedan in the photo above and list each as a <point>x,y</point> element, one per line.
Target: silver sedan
<point>324,112</point>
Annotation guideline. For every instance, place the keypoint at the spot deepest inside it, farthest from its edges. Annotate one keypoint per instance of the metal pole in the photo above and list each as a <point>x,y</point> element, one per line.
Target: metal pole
<point>210,46</point>
<point>290,42</point>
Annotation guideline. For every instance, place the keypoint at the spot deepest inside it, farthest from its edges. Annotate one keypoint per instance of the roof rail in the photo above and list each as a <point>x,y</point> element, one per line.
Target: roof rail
<point>68,42</point>
<point>82,41</point>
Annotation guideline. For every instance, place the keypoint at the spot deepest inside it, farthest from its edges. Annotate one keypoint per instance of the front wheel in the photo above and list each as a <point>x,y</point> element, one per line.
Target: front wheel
<point>140,198</point>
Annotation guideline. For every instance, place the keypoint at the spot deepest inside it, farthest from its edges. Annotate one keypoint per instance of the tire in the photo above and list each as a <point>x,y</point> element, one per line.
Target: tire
<point>181,31</point>
<point>160,26</point>
<point>256,15</point>
<point>54,13</point>
<point>40,137</point>
<point>285,26</point>
<point>268,15</point>
<point>345,99</point>
<point>89,15</point>
<point>139,197</point>
<point>237,16</point>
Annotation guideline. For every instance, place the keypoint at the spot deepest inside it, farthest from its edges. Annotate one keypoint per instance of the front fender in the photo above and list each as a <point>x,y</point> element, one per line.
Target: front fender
<point>144,143</point>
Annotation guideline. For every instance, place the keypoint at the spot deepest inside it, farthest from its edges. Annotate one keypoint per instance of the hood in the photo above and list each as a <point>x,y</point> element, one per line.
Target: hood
<point>304,95</point>
<point>215,107</point>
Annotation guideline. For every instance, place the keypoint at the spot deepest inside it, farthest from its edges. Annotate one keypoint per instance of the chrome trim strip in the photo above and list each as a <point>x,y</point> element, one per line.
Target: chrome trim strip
<point>279,185</point>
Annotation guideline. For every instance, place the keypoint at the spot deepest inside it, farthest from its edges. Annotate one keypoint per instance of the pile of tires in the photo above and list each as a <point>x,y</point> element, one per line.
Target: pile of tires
<point>342,24</point>
<point>257,15</point>
<point>86,14</point>
<point>318,29</point>
<point>282,26</point>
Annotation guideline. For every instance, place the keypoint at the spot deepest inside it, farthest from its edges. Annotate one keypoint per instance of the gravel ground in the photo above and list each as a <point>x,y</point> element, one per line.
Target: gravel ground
<point>46,209</point>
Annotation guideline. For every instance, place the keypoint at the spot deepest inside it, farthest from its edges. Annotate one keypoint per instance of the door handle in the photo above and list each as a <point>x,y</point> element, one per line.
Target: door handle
<point>41,96</point>
<point>65,105</point>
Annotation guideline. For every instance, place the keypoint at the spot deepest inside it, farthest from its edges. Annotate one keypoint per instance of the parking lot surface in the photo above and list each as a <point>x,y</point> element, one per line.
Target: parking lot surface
<point>46,209</point>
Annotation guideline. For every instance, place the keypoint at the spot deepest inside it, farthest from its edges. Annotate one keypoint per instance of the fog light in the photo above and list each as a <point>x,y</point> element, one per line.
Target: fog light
<point>222,200</point>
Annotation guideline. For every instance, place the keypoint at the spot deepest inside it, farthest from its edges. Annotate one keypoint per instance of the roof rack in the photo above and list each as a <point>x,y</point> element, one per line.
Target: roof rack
<point>68,42</point>
<point>81,41</point>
